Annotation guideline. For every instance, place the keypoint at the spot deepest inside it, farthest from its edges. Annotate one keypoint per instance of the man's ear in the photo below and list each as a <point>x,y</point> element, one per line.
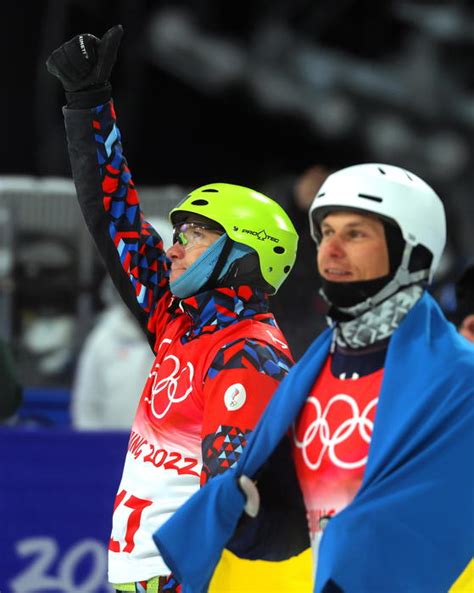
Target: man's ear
<point>466,328</point>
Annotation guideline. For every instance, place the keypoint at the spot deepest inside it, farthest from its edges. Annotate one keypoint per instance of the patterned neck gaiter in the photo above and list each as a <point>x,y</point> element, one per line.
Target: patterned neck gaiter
<point>378,323</point>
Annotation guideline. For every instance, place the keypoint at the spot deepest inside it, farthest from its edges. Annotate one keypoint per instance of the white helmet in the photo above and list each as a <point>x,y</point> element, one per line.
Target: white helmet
<point>394,194</point>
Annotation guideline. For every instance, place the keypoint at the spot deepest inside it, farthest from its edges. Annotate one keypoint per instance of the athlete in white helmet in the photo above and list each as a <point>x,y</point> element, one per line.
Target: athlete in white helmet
<point>379,408</point>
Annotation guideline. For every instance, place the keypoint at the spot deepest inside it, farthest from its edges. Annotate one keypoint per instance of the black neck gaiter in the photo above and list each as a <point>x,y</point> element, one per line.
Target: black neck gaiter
<point>348,294</point>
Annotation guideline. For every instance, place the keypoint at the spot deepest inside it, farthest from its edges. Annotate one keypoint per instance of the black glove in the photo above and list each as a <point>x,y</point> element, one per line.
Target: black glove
<point>84,64</point>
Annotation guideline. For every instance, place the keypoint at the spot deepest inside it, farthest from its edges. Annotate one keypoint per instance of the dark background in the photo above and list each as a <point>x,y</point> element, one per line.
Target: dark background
<point>210,90</point>
<point>254,93</point>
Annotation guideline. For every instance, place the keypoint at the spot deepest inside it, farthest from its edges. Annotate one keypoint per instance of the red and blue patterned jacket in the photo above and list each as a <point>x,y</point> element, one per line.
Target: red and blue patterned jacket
<point>219,354</point>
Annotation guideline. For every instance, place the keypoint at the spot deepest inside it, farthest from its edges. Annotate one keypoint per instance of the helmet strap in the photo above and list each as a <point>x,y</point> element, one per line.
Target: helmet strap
<point>219,266</point>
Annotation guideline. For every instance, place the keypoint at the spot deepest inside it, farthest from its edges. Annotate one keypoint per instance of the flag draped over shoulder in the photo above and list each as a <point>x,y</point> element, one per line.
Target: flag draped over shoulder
<point>410,527</point>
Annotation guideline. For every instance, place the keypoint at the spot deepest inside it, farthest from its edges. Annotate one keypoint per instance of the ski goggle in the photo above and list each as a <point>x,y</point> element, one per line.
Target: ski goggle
<point>191,234</point>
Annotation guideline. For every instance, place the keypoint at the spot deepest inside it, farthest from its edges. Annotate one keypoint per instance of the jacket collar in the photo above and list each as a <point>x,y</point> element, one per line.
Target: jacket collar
<point>220,307</point>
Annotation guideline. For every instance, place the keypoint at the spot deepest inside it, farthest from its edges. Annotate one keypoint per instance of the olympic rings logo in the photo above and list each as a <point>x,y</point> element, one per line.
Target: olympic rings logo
<point>357,423</point>
<point>172,386</point>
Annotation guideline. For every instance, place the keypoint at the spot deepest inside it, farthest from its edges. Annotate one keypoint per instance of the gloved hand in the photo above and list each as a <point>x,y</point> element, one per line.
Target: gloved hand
<point>248,487</point>
<point>84,63</point>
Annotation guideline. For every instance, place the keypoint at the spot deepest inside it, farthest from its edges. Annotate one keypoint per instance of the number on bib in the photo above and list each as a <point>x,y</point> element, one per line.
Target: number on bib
<point>137,506</point>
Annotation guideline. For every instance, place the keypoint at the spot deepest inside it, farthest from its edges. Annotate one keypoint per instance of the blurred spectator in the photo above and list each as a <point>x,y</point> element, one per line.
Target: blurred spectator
<point>112,368</point>
<point>456,298</point>
<point>45,298</point>
<point>298,307</point>
<point>464,311</point>
<point>114,363</point>
<point>10,389</point>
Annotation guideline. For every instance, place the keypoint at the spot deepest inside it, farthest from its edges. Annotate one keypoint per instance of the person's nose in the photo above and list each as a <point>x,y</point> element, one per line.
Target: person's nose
<point>176,251</point>
<point>334,246</point>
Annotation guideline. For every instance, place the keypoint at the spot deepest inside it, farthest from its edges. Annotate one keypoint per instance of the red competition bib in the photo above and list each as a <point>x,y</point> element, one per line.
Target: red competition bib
<point>331,441</point>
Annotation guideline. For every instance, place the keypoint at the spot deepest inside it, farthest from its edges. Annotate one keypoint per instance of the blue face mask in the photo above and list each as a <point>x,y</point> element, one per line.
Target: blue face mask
<point>196,276</point>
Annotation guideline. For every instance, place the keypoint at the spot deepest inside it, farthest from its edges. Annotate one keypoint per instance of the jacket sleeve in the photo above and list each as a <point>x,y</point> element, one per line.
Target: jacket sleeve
<point>240,383</point>
<point>131,249</point>
<point>238,386</point>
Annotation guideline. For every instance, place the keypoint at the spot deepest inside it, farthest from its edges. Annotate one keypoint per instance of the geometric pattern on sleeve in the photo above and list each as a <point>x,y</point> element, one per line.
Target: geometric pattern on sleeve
<point>139,246</point>
<point>247,353</point>
<point>221,450</point>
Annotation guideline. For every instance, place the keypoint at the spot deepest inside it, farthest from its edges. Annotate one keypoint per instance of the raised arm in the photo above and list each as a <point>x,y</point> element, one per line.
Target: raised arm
<point>131,249</point>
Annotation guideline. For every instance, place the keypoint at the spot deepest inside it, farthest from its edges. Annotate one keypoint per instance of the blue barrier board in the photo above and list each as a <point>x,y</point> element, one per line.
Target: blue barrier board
<point>57,489</point>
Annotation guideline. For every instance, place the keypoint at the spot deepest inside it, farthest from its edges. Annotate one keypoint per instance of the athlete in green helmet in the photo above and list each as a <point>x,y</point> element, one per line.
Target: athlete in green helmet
<point>204,307</point>
<point>257,242</point>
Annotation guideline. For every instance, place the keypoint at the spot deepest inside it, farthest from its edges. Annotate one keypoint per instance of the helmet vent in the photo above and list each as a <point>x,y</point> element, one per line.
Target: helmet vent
<point>211,190</point>
<point>373,198</point>
<point>321,194</point>
<point>199,202</point>
<point>409,176</point>
<point>279,249</point>
<point>381,170</point>
<point>286,269</point>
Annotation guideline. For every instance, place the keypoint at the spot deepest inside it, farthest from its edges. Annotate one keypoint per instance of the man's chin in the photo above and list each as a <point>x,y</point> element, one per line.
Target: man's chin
<point>175,275</point>
<point>339,279</point>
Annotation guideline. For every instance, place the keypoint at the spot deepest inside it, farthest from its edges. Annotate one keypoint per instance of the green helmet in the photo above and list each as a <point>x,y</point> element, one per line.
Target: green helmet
<point>251,218</point>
